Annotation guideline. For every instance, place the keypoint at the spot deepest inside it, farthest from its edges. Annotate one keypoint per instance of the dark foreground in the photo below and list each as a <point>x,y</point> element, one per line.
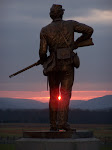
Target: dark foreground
<point>9,133</point>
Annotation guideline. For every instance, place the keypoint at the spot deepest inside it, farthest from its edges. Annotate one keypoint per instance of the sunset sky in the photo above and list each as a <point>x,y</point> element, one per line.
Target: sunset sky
<point>20,25</point>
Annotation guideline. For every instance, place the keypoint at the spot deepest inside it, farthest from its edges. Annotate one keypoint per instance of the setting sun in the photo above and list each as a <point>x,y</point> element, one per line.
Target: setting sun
<point>59,98</point>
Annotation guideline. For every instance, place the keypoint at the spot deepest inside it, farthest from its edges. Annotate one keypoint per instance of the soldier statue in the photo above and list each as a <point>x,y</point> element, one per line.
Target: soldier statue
<point>58,38</point>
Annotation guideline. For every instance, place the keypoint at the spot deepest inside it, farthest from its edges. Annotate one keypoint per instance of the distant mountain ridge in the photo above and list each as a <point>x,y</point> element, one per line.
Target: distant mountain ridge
<point>13,103</point>
<point>104,102</point>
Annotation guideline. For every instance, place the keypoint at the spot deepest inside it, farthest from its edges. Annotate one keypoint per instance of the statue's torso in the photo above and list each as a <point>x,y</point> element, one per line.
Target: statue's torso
<point>53,34</point>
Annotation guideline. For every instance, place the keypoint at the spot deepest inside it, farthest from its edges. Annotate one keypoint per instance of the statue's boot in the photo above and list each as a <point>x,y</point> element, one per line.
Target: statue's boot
<point>53,120</point>
<point>63,121</point>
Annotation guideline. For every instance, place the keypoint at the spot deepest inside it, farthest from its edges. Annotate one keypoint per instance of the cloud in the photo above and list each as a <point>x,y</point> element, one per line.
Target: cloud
<point>20,24</point>
<point>95,16</point>
<point>25,20</point>
<point>37,13</point>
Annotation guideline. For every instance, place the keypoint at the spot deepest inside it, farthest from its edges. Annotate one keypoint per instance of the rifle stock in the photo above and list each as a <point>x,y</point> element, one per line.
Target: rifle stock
<point>35,64</point>
<point>88,42</point>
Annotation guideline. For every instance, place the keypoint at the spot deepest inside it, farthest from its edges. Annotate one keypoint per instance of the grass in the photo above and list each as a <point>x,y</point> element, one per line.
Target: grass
<point>102,132</point>
<point>7,147</point>
<point>18,129</point>
<point>106,147</point>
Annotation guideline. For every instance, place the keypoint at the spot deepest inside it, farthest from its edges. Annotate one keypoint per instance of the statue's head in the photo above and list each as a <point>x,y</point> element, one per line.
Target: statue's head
<point>56,11</point>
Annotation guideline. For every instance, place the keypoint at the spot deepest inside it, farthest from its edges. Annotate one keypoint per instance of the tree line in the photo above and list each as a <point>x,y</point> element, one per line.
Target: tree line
<point>76,116</point>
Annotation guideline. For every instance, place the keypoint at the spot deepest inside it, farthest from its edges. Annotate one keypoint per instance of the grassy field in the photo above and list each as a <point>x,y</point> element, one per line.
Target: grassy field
<point>7,147</point>
<point>15,131</point>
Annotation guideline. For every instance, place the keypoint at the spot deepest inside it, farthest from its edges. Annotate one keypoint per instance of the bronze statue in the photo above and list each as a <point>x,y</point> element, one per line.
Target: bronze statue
<point>58,38</point>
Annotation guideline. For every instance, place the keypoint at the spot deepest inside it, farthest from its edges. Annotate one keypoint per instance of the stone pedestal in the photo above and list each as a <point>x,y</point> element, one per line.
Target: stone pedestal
<point>62,134</point>
<point>80,140</point>
<point>57,144</point>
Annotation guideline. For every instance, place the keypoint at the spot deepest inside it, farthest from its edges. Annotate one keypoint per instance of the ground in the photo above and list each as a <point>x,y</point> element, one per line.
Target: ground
<point>9,132</point>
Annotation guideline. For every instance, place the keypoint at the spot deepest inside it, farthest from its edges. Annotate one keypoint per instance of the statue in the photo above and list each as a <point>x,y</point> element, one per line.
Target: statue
<point>58,36</point>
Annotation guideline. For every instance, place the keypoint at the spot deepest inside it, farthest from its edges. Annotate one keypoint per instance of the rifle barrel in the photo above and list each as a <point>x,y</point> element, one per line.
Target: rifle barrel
<point>18,72</point>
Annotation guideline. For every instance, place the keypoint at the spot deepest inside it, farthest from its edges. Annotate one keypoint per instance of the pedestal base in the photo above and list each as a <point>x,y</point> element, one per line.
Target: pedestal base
<point>56,134</point>
<point>57,144</point>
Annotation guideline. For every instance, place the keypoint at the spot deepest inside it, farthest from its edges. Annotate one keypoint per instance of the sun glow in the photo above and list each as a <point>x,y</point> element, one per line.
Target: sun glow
<point>59,98</point>
<point>44,96</point>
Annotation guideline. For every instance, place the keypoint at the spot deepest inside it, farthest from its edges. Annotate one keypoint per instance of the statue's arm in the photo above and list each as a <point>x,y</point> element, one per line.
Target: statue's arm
<point>43,47</point>
<point>86,31</point>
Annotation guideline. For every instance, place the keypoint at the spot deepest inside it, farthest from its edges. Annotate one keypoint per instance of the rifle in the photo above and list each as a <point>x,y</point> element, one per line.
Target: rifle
<point>81,44</point>
<point>35,64</point>
<point>87,42</point>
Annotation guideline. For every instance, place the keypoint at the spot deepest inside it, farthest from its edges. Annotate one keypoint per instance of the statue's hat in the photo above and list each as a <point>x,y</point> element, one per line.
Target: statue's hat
<point>56,7</point>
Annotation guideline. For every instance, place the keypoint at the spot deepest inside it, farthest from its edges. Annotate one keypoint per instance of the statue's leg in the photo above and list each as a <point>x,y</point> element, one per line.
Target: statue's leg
<point>67,79</point>
<point>53,103</point>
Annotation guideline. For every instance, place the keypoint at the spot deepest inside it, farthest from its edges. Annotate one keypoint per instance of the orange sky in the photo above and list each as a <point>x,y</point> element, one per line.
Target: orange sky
<point>44,95</point>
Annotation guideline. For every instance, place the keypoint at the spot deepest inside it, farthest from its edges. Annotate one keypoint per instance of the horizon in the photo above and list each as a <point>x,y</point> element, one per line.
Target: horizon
<point>43,96</point>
